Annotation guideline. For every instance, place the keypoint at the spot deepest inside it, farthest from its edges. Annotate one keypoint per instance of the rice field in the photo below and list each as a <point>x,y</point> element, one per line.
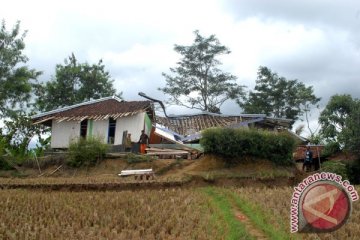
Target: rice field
<point>168,214</point>
<point>194,213</point>
<point>274,203</point>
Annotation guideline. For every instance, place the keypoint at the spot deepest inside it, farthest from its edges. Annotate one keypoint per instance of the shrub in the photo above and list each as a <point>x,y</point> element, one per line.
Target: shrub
<point>136,158</point>
<point>335,167</point>
<point>330,149</point>
<point>86,152</point>
<point>235,143</point>
<point>4,165</point>
<point>353,171</point>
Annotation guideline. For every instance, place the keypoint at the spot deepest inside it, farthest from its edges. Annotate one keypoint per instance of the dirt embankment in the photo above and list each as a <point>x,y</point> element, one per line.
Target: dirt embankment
<point>209,170</point>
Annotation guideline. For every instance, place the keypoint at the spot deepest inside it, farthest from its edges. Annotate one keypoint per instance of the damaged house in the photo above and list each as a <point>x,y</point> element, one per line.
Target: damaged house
<point>106,118</point>
<point>111,118</point>
<point>187,128</point>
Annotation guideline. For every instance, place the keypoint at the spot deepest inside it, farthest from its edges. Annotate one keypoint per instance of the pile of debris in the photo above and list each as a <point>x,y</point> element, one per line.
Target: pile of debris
<point>168,153</point>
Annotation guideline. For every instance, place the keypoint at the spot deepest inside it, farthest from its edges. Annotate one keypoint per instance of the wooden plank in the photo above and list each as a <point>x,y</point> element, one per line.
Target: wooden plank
<point>44,120</point>
<point>168,153</point>
<point>162,150</point>
<point>136,172</point>
<point>59,120</point>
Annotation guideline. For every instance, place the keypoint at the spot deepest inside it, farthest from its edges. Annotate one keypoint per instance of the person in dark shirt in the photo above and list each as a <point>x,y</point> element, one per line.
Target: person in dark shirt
<point>308,159</point>
<point>144,141</point>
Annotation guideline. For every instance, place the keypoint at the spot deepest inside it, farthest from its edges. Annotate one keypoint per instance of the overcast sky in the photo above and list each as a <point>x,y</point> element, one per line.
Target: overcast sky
<point>314,41</point>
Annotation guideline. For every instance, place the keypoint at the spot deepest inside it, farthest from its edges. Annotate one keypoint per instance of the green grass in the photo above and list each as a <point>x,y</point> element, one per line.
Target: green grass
<point>225,201</point>
<point>259,217</point>
<point>213,175</point>
<point>229,226</point>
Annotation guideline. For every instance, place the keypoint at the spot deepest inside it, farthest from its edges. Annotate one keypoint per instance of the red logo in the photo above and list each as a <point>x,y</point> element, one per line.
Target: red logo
<point>325,207</point>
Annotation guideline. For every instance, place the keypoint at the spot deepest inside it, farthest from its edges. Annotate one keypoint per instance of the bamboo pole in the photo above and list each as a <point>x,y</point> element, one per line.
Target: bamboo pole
<point>317,149</point>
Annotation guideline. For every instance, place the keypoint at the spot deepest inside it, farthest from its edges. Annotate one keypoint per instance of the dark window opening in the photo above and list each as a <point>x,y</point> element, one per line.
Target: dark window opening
<point>112,128</point>
<point>83,128</point>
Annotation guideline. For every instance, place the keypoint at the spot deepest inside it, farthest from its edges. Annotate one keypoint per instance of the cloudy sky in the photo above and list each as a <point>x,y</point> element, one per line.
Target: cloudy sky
<point>314,41</point>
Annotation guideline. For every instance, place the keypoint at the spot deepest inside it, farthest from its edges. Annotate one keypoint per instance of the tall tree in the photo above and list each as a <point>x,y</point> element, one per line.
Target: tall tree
<point>340,122</point>
<point>16,79</point>
<point>352,132</point>
<point>73,83</point>
<point>17,84</point>
<point>278,97</point>
<point>334,118</point>
<point>197,82</point>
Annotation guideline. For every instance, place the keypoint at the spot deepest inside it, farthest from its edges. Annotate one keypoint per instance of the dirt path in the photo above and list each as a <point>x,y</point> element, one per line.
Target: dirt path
<point>250,228</point>
<point>226,201</point>
<point>244,219</point>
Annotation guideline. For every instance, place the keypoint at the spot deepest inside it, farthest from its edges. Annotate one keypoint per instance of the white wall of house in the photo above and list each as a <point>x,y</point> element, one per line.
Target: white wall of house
<point>133,124</point>
<point>62,133</point>
<point>101,129</point>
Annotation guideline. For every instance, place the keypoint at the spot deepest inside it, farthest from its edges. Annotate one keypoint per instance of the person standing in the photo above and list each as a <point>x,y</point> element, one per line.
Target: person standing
<point>308,158</point>
<point>144,141</point>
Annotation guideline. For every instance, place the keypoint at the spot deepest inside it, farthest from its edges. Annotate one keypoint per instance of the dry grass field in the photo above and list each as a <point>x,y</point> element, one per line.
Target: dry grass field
<point>206,206</point>
<point>274,204</point>
<point>168,214</point>
<point>195,213</point>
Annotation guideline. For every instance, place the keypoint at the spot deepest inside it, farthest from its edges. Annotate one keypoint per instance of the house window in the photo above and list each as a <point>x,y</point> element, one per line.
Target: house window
<point>112,128</point>
<point>83,128</point>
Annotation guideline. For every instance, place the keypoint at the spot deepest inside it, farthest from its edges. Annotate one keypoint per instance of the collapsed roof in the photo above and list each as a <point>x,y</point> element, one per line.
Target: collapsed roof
<point>194,123</point>
<point>99,109</point>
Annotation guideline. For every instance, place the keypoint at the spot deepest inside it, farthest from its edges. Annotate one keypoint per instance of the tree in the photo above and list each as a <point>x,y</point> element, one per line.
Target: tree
<point>278,97</point>
<point>16,79</point>
<point>336,117</point>
<point>18,133</point>
<point>197,82</point>
<point>74,83</point>
<point>340,126</point>
<point>352,132</point>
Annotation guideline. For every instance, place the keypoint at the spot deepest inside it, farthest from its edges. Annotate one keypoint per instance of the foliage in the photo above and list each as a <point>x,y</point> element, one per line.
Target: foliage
<point>18,133</point>
<point>73,83</point>
<point>4,165</point>
<point>333,118</point>
<point>352,131</point>
<point>330,149</point>
<point>353,171</point>
<point>42,145</point>
<point>197,82</point>
<point>86,152</point>
<point>335,167</point>
<point>136,158</point>
<point>340,122</point>
<point>16,80</point>
<point>17,83</point>
<point>316,138</point>
<point>278,97</point>
<point>239,143</point>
